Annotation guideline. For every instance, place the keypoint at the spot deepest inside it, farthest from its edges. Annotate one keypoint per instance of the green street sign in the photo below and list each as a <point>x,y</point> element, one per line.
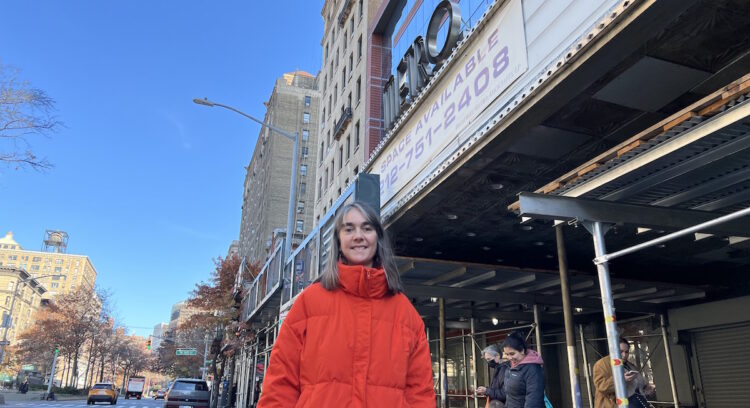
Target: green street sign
<point>187,352</point>
<point>209,361</point>
<point>27,367</point>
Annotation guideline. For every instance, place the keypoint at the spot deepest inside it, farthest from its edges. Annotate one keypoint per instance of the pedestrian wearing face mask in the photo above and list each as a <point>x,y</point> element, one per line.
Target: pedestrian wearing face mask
<point>494,393</point>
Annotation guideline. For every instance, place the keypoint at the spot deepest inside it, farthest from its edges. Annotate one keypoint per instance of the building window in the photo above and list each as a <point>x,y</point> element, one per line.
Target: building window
<point>332,170</point>
<point>349,101</point>
<point>351,26</point>
<point>303,188</point>
<point>323,119</point>
<point>34,267</point>
<point>359,48</point>
<point>300,207</point>
<point>58,269</point>
<point>359,89</point>
<point>10,285</point>
<point>300,226</point>
<point>361,9</point>
<point>335,93</point>
<point>348,146</point>
<point>304,151</point>
<point>341,157</point>
<point>337,59</point>
<point>36,259</point>
<point>329,139</point>
<point>308,100</point>
<point>322,146</point>
<point>356,170</point>
<point>305,135</point>
<point>58,261</point>
<point>303,170</point>
<point>326,52</point>
<point>326,179</point>
<point>356,135</point>
<point>351,63</point>
<point>343,78</point>
<point>306,117</point>
<point>345,40</point>
<point>320,187</point>
<point>54,285</point>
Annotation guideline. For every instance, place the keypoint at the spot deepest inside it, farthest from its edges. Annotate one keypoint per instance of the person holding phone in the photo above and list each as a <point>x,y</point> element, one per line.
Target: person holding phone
<point>494,393</point>
<point>604,382</point>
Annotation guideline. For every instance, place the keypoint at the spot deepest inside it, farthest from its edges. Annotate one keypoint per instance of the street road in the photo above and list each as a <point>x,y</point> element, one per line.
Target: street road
<point>121,403</point>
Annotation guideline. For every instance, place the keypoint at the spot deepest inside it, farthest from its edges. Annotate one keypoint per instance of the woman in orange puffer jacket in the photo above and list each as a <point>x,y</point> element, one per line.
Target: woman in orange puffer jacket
<point>352,339</point>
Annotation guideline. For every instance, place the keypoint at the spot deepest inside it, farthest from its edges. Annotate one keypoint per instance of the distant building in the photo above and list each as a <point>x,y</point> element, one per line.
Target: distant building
<point>347,77</point>
<point>234,249</point>
<point>181,312</point>
<point>58,272</point>
<point>160,331</point>
<point>293,107</point>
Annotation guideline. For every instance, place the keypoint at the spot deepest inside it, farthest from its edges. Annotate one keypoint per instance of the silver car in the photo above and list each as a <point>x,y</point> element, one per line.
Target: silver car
<point>188,393</point>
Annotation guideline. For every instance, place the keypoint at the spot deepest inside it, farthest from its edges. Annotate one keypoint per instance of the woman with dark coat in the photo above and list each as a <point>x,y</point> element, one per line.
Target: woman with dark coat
<point>524,381</point>
<point>495,392</point>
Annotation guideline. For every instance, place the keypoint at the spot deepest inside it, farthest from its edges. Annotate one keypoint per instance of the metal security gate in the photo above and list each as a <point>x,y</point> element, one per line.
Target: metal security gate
<point>722,356</point>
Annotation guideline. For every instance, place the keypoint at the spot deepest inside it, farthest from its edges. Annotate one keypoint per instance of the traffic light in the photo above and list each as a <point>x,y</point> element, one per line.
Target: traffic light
<point>148,344</point>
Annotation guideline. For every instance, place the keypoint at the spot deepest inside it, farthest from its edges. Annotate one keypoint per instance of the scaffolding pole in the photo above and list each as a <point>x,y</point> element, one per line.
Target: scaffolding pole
<point>537,331</point>
<point>474,361</point>
<point>668,353</point>
<point>610,320</point>
<point>586,374</point>
<point>443,357</point>
<point>570,339</point>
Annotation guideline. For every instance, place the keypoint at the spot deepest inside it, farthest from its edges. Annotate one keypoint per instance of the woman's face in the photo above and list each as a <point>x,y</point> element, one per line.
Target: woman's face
<point>359,240</point>
<point>513,355</point>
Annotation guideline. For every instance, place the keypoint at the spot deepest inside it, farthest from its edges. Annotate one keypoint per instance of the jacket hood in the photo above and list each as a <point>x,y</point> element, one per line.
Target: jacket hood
<point>532,357</point>
<point>361,281</point>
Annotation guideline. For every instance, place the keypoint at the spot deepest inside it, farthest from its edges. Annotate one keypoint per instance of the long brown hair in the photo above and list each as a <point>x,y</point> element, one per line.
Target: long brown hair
<point>383,255</point>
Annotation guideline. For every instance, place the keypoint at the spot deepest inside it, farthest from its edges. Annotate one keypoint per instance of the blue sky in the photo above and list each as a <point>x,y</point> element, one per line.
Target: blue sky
<point>146,183</point>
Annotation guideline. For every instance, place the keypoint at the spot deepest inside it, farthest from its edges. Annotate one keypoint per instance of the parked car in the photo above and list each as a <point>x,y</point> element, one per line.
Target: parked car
<point>188,392</point>
<point>102,392</point>
<point>160,394</point>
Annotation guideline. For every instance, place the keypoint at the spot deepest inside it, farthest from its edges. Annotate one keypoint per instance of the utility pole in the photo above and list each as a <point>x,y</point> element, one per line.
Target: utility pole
<point>52,373</point>
<point>205,353</point>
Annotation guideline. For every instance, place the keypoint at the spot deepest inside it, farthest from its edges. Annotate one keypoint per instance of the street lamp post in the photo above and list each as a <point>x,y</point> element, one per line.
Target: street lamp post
<point>292,188</point>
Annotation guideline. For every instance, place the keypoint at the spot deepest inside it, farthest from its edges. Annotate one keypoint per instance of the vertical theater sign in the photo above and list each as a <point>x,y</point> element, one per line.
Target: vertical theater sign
<point>425,118</point>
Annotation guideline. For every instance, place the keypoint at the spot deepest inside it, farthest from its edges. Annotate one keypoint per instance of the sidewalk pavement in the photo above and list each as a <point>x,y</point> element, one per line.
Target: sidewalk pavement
<point>13,395</point>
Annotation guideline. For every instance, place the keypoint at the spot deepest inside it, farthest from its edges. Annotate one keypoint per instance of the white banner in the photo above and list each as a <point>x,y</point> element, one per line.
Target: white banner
<point>497,57</point>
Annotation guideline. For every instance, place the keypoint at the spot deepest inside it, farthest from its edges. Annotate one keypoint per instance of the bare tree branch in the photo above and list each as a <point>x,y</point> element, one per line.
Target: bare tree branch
<point>25,111</point>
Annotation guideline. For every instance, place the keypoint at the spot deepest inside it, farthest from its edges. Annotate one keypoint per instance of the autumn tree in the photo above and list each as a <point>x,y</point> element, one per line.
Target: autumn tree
<point>25,112</point>
<point>216,308</point>
<point>169,363</point>
<point>67,323</point>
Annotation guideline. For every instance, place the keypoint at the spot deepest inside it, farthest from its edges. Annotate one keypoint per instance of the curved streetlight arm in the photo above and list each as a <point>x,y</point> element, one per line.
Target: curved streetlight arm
<point>209,103</point>
<point>292,185</point>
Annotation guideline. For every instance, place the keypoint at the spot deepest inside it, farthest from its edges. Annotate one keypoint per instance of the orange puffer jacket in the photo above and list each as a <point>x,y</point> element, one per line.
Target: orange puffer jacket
<point>356,346</point>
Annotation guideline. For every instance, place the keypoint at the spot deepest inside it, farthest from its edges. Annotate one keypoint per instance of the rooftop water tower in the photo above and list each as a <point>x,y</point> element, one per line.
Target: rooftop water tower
<point>55,241</point>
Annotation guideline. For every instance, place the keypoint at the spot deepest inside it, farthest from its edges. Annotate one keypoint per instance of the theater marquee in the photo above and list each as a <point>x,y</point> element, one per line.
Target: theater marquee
<point>484,69</point>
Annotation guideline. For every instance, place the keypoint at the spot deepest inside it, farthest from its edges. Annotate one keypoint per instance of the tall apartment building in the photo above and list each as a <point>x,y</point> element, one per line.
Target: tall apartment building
<point>293,107</point>
<point>343,83</point>
<point>58,272</point>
